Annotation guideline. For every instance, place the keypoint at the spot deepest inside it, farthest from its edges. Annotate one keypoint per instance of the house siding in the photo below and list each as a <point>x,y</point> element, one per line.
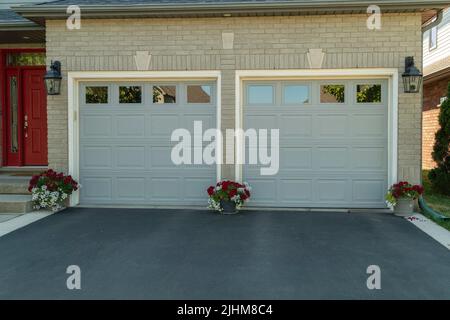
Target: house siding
<point>259,43</point>
<point>442,50</point>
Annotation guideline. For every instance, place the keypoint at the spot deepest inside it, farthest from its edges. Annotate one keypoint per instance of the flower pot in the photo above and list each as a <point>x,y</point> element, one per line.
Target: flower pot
<point>229,207</point>
<point>404,207</point>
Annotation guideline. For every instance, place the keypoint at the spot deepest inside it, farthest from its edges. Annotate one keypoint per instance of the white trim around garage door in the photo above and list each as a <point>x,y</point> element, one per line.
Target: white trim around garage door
<point>390,74</point>
<point>74,78</point>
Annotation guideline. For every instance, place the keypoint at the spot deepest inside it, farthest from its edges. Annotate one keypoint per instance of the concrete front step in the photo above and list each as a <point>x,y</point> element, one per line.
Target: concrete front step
<point>14,186</point>
<point>15,203</point>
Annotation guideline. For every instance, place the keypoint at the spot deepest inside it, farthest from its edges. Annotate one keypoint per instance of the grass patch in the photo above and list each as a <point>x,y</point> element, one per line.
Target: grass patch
<point>437,201</point>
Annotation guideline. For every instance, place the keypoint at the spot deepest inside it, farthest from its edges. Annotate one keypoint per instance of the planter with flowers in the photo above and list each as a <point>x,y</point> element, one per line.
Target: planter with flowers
<point>228,196</point>
<point>401,197</point>
<point>51,190</point>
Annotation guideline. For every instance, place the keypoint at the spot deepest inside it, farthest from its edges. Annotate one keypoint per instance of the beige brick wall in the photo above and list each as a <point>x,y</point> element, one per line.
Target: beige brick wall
<point>259,43</point>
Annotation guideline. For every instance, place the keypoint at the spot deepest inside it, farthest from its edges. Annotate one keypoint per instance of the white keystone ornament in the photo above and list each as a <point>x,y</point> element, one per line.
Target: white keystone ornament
<point>315,58</point>
<point>227,40</point>
<point>142,60</point>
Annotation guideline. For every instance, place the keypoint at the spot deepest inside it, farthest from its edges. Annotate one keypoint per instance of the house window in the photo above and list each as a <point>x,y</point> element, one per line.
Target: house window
<point>260,94</point>
<point>332,93</point>
<point>368,93</point>
<point>20,59</point>
<point>295,94</point>
<point>96,95</point>
<point>130,94</point>
<point>433,38</point>
<point>164,94</point>
<point>199,94</point>
<point>13,93</point>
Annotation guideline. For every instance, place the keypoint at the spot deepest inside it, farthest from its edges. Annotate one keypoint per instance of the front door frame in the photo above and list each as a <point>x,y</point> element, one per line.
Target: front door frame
<point>3,100</point>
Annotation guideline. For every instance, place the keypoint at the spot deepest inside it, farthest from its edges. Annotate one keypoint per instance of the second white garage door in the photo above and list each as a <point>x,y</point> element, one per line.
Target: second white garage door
<point>333,142</point>
<point>125,142</point>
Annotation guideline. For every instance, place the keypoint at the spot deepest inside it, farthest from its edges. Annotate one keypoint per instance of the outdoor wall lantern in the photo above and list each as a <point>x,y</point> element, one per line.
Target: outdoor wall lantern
<point>53,79</point>
<point>412,78</point>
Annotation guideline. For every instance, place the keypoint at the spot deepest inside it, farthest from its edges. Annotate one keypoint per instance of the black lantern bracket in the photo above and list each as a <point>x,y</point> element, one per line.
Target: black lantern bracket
<point>53,79</point>
<point>412,77</point>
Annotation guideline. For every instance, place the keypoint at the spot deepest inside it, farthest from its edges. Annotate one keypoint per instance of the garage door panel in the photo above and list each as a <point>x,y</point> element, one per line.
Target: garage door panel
<point>163,125</point>
<point>96,126</point>
<point>334,190</point>
<point>261,122</point>
<point>164,189</point>
<point>207,121</point>
<point>263,190</point>
<point>125,151</point>
<point>368,190</point>
<point>191,185</point>
<point>96,157</point>
<point>331,125</point>
<point>130,126</point>
<point>331,158</point>
<point>295,125</point>
<point>96,188</point>
<point>296,190</point>
<point>369,126</point>
<point>128,188</point>
<point>130,157</point>
<point>339,150</point>
<point>373,158</point>
<point>295,158</point>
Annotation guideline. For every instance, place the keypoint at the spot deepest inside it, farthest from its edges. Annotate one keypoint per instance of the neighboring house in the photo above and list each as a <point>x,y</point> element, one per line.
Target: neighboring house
<point>436,69</point>
<point>347,128</point>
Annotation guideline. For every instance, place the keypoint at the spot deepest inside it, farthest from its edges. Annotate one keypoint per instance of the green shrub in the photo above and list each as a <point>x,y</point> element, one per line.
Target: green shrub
<point>440,176</point>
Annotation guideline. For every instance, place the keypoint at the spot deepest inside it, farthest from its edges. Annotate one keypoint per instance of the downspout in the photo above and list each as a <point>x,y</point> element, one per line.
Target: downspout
<point>438,20</point>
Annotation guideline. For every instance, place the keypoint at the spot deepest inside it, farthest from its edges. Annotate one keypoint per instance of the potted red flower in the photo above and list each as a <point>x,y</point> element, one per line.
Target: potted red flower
<point>228,196</point>
<point>51,189</point>
<point>401,196</point>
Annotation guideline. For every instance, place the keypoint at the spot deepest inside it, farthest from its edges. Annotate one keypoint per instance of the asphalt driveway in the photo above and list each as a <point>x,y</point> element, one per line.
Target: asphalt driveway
<point>189,254</point>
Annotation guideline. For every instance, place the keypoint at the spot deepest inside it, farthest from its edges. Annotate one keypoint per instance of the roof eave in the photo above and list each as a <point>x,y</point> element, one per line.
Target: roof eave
<point>41,12</point>
<point>19,26</point>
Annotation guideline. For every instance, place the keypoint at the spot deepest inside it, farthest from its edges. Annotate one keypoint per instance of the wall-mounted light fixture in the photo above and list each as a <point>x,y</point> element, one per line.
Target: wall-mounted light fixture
<point>53,79</point>
<point>412,77</point>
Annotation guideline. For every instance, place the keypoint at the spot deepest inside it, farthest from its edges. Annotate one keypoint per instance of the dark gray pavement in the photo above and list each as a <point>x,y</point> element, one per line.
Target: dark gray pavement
<point>189,254</point>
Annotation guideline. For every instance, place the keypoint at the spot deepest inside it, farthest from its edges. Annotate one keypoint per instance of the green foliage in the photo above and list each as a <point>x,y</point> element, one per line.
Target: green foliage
<point>368,93</point>
<point>440,176</point>
<point>130,94</point>
<point>96,94</point>
<point>338,91</point>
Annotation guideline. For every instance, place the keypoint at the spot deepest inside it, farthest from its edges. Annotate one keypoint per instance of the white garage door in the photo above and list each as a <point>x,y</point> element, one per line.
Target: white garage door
<point>125,142</point>
<point>333,142</point>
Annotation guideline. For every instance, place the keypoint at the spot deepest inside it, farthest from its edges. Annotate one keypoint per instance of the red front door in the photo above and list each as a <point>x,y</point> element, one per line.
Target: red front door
<point>35,117</point>
<point>26,117</point>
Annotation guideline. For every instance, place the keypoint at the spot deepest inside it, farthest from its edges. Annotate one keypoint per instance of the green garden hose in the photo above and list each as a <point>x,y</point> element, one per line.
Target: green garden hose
<point>423,205</point>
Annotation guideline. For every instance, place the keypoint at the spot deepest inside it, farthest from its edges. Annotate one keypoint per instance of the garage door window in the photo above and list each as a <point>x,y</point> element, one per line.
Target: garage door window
<point>164,94</point>
<point>295,94</point>
<point>96,95</point>
<point>130,94</point>
<point>199,94</point>
<point>260,94</point>
<point>332,93</point>
<point>368,93</point>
